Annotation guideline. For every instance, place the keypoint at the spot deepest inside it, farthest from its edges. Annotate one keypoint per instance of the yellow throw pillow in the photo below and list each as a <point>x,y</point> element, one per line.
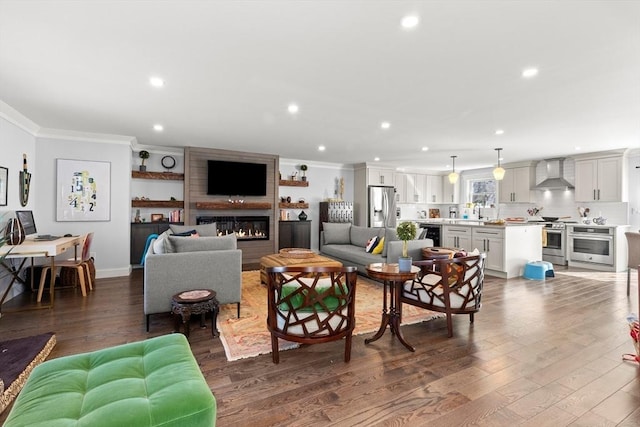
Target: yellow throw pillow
<point>379,247</point>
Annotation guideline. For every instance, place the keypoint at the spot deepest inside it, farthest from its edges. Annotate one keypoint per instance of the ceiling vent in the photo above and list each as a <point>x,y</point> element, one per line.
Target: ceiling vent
<point>555,176</point>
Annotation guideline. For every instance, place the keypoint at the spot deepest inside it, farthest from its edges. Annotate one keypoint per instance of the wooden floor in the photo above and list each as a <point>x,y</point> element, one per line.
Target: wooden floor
<point>539,354</point>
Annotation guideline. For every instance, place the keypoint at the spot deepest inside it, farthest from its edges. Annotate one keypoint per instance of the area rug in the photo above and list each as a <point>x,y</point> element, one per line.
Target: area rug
<point>249,337</point>
<point>17,359</point>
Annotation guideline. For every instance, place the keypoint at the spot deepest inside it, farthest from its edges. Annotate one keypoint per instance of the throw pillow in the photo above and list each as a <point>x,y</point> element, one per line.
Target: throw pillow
<point>336,233</point>
<point>185,233</point>
<point>204,230</point>
<point>160,243</point>
<point>379,247</point>
<point>371,244</point>
<point>178,244</point>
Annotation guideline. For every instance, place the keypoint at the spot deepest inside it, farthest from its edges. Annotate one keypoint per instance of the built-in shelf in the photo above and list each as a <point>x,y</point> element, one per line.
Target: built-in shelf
<point>231,206</point>
<point>157,204</point>
<point>291,183</point>
<point>158,175</point>
<point>293,205</point>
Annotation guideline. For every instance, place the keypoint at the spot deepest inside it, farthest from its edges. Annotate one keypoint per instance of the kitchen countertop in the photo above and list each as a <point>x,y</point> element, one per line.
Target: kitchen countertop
<point>470,222</point>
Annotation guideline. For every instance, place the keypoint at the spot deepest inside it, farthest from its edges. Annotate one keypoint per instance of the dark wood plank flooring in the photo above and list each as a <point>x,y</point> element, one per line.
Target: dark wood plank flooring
<point>539,354</point>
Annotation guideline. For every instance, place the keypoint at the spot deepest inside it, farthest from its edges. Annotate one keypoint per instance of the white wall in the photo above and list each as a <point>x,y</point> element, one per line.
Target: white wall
<point>14,141</point>
<point>111,240</point>
<point>323,181</point>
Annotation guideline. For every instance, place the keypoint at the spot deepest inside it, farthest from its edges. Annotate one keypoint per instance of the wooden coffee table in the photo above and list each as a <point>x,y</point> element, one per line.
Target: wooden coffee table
<point>277,260</point>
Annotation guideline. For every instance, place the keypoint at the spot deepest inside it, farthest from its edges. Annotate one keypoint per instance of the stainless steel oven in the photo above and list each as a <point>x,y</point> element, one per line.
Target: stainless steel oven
<point>555,250</point>
<point>591,244</point>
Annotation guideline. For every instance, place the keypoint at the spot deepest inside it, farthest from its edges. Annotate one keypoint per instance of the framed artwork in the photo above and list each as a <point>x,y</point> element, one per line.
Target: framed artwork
<point>157,217</point>
<point>4,176</point>
<point>83,190</point>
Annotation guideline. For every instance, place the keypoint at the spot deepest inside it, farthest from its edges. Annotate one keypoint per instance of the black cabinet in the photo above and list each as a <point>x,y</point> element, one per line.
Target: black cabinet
<point>139,233</point>
<point>294,234</point>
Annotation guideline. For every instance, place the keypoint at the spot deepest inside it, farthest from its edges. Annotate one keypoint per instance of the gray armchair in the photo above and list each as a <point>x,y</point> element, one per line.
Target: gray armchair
<point>186,263</point>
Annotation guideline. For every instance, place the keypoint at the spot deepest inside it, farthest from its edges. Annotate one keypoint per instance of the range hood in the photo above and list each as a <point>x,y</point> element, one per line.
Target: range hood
<point>555,176</point>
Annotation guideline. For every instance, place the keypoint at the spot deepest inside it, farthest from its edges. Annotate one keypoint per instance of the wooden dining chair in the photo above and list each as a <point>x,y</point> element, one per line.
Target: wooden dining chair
<point>79,264</point>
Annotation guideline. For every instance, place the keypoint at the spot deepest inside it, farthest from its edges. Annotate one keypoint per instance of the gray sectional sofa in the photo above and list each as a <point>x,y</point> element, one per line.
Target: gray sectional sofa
<point>346,243</point>
<point>175,264</point>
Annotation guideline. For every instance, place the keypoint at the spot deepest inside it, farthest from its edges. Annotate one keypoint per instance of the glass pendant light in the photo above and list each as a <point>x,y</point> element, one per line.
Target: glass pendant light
<point>498,172</point>
<point>453,176</point>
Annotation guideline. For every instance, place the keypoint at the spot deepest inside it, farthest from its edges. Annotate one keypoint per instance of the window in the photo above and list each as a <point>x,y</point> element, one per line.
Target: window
<point>482,192</point>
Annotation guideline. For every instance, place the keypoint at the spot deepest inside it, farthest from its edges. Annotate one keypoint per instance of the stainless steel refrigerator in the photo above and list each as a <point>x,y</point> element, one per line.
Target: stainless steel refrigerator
<point>382,206</point>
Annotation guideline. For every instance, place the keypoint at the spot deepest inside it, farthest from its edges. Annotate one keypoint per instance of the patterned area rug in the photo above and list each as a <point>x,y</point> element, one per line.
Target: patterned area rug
<point>249,337</point>
<point>17,359</point>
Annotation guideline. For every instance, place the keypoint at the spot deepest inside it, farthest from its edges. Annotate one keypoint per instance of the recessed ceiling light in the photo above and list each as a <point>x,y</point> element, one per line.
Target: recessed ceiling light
<point>156,82</point>
<point>578,148</point>
<point>321,148</point>
<point>376,159</point>
<point>499,131</point>
<point>528,73</point>
<point>158,128</point>
<point>385,125</point>
<point>293,108</point>
<point>410,21</point>
<point>425,148</point>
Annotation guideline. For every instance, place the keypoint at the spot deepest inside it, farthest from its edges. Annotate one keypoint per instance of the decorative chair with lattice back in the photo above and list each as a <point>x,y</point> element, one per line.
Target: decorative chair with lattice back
<point>633,255</point>
<point>311,305</point>
<point>79,264</point>
<point>450,286</point>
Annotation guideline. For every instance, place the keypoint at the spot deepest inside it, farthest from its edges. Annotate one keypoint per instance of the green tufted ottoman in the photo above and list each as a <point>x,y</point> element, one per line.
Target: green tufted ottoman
<point>155,382</point>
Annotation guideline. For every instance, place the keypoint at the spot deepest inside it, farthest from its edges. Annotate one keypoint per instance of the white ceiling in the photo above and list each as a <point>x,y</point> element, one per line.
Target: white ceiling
<point>232,67</point>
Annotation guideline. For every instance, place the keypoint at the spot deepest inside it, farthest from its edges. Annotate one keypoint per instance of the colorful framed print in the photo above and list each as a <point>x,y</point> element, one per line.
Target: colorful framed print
<point>83,190</point>
<point>4,176</point>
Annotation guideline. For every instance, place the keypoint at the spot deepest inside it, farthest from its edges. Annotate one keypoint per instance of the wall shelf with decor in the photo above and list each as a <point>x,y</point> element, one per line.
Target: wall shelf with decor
<point>291,183</point>
<point>230,206</point>
<point>157,204</point>
<point>293,205</point>
<point>158,175</point>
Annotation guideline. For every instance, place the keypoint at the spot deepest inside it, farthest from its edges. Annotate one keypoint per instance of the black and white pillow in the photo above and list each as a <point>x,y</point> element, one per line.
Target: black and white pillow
<point>371,244</point>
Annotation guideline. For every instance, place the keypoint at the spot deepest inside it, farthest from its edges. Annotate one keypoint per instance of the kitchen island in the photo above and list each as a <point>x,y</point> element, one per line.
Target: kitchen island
<point>509,246</point>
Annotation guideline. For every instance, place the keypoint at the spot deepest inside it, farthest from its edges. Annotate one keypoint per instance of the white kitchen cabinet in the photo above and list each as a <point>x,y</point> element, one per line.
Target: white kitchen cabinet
<point>516,185</point>
<point>433,189</point>
<point>450,191</point>
<point>455,236</point>
<point>599,180</point>
<point>410,187</point>
<point>491,242</point>
<point>380,176</point>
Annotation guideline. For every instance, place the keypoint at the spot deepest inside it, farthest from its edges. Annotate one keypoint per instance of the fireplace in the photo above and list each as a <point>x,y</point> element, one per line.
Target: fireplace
<point>244,227</point>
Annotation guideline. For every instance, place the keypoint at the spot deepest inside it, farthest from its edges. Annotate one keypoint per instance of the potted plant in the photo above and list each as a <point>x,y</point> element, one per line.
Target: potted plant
<point>406,231</point>
<point>303,168</point>
<point>144,155</point>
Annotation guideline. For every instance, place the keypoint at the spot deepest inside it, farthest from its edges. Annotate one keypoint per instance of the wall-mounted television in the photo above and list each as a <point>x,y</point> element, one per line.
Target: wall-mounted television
<point>225,178</point>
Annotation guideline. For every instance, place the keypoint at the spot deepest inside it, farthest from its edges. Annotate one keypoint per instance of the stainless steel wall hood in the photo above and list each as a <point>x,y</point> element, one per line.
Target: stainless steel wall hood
<point>555,176</point>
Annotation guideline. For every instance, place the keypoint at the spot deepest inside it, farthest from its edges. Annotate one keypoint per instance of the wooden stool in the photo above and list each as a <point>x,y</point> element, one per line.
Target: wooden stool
<point>199,301</point>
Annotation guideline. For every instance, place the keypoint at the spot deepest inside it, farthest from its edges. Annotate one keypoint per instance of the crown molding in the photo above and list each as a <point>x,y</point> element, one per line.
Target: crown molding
<point>71,135</point>
<point>18,119</point>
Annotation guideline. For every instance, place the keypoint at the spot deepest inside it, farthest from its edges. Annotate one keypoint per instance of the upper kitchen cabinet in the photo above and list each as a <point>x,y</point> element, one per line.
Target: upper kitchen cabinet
<point>434,187</point>
<point>599,179</point>
<point>379,176</point>
<point>450,192</point>
<point>410,187</point>
<point>516,185</point>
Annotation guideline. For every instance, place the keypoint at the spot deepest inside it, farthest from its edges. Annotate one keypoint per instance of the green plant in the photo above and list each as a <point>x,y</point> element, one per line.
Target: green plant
<point>144,154</point>
<point>3,239</point>
<point>406,231</point>
<point>303,168</point>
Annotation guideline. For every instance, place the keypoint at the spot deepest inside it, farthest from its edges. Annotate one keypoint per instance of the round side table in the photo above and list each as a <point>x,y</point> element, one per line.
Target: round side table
<point>198,301</point>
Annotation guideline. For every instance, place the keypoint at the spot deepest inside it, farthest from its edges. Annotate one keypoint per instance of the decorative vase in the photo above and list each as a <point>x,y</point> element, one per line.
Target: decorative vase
<point>404,263</point>
<point>304,178</point>
<point>143,168</point>
<point>302,216</point>
<point>14,232</point>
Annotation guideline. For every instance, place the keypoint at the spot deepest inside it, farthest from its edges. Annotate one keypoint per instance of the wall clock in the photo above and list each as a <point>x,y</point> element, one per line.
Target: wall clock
<point>168,162</point>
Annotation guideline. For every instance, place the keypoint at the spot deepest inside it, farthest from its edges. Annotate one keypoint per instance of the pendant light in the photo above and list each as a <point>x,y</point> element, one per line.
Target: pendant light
<point>453,176</point>
<point>498,172</point>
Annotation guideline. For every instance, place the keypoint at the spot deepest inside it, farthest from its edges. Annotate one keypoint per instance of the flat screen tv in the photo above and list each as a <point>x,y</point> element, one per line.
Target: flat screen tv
<point>226,178</point>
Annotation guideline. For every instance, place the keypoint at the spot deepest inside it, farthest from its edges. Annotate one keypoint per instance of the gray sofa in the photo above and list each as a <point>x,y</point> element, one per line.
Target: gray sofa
<point>346,243</point>
<point>175,264</point>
